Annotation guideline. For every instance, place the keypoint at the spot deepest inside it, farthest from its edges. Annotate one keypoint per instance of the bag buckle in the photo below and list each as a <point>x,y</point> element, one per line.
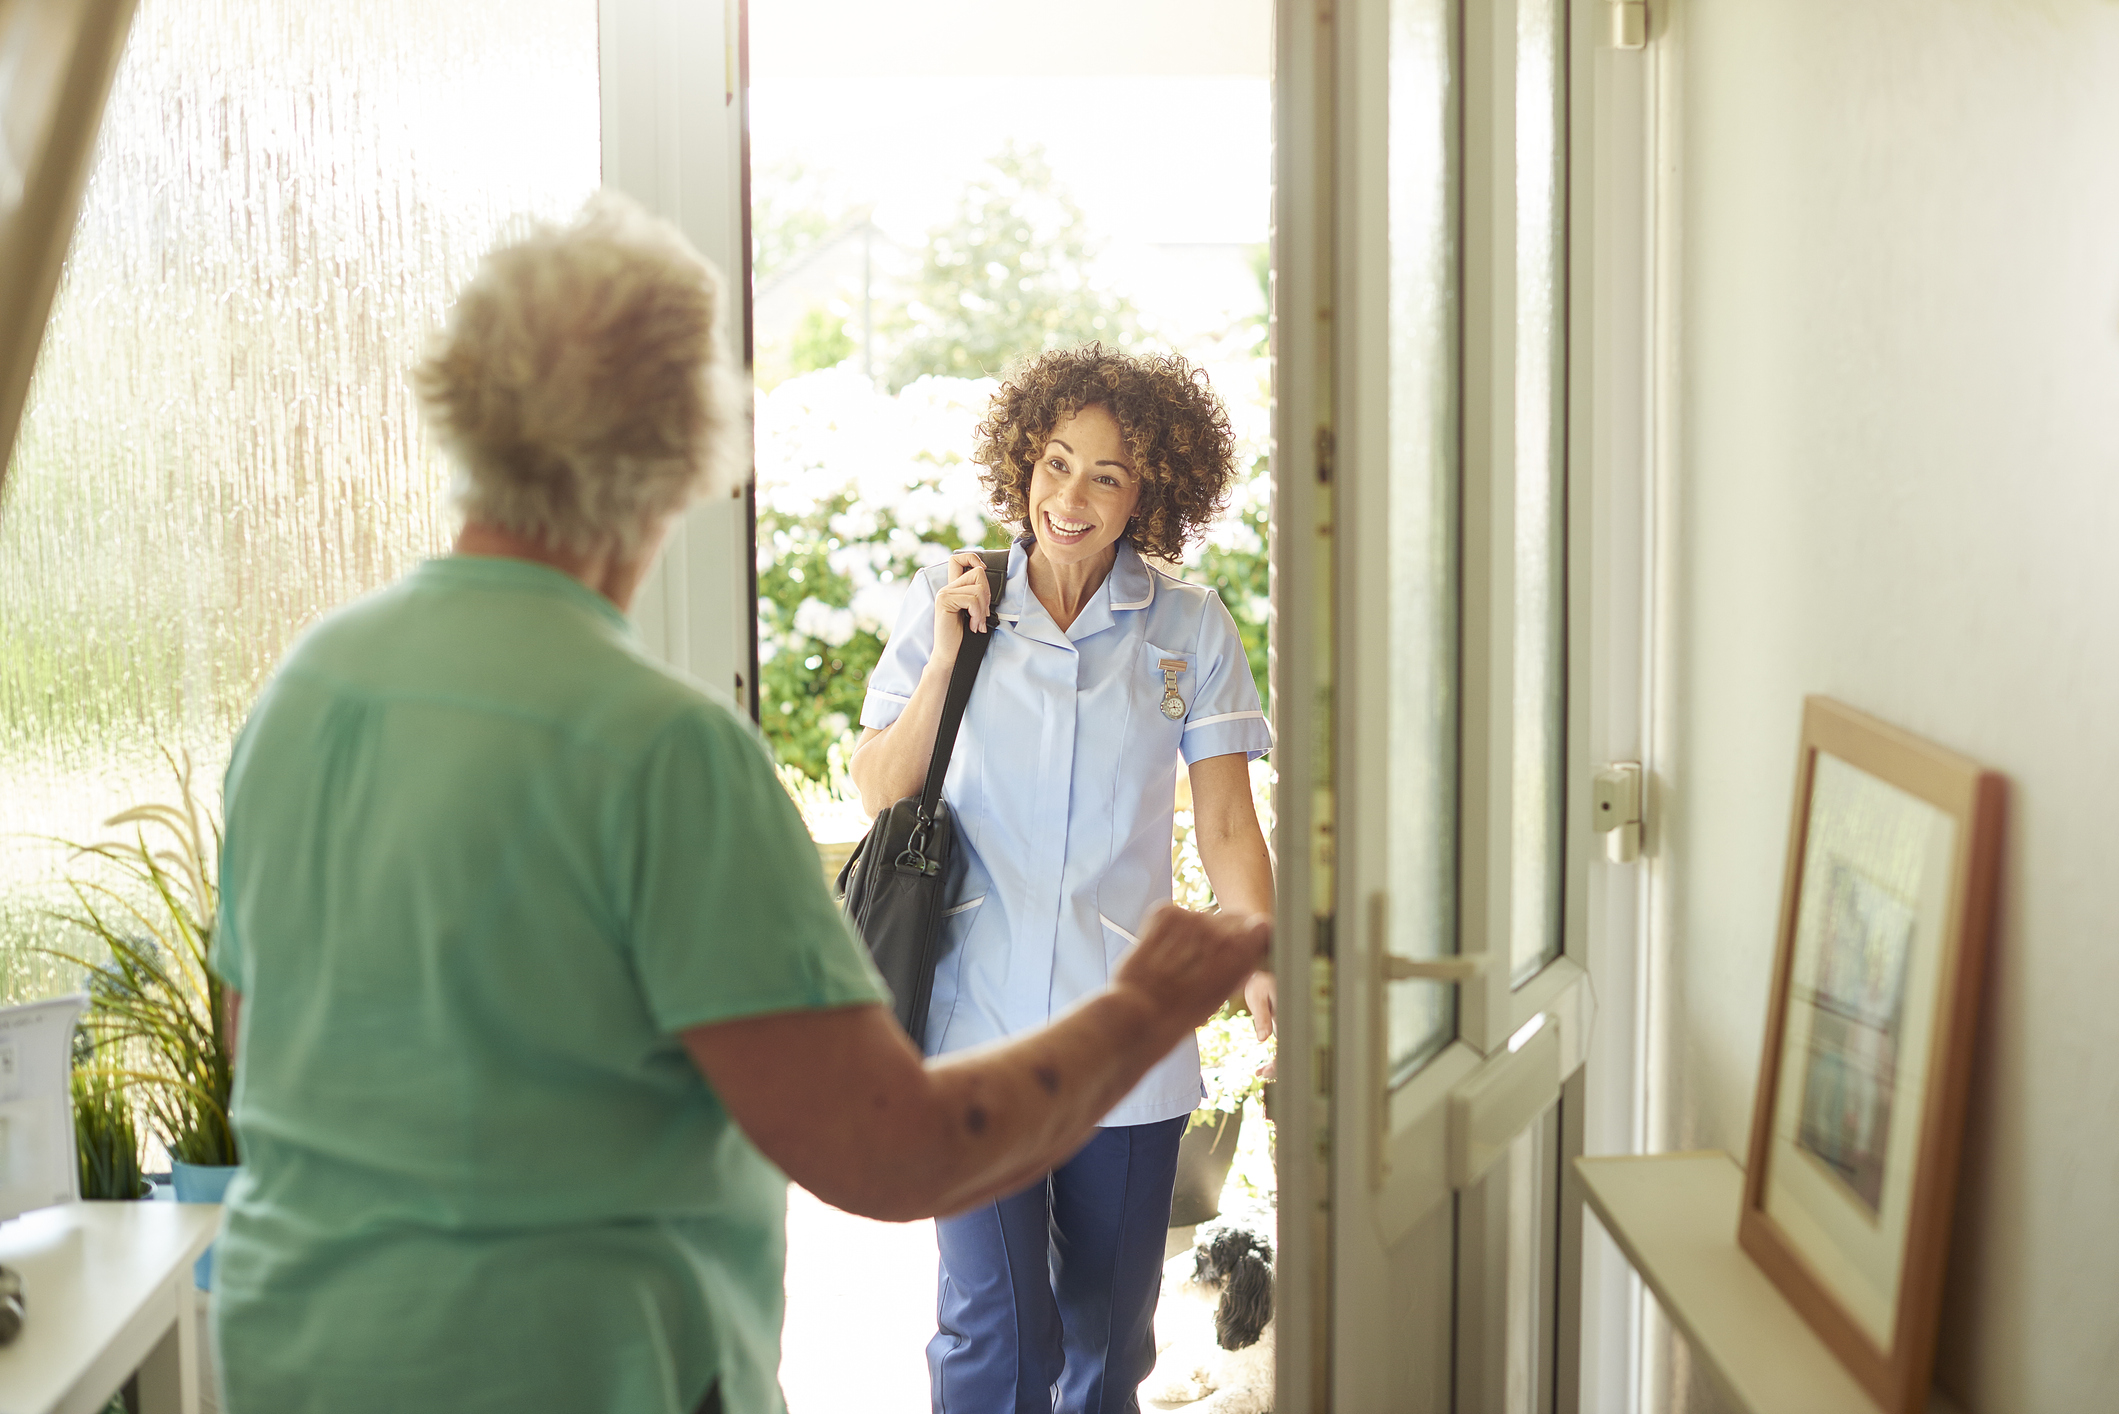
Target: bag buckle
<point>913,858</point>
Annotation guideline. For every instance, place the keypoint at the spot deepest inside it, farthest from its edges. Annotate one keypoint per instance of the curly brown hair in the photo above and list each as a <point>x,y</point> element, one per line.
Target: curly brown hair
<point>1177,435</point>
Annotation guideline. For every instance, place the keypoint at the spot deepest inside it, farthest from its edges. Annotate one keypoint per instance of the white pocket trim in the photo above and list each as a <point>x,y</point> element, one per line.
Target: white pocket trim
<point>1118,930</point>
<point>964,907</point>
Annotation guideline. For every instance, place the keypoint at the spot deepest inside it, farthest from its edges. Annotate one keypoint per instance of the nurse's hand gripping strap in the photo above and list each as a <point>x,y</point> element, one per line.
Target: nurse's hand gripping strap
<point>966,669</point>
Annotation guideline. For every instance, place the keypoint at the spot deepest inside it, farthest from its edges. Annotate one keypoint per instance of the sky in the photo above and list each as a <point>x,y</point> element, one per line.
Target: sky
<point>1156,116</point>
<point>1157,159</point>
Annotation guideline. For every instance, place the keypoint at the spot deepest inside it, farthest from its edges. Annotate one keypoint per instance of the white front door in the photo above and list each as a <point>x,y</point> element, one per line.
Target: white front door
<point>1431,857</point>
<point>673,139</point>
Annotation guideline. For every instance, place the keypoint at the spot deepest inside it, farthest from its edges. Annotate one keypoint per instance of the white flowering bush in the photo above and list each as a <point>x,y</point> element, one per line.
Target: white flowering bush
<point>858,490</point>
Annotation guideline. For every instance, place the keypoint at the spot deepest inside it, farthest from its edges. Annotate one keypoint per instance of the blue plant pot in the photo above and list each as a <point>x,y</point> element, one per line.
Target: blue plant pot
<point>201,1183</point>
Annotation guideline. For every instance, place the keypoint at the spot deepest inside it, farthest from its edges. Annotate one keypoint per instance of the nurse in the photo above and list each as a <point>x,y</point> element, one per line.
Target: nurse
<point>1104,671</point>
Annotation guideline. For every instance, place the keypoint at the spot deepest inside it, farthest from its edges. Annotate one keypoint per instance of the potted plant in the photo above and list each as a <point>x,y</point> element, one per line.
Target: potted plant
<point>1232,1063</point>
<point>106,1140</point>
<point>154,1001</point>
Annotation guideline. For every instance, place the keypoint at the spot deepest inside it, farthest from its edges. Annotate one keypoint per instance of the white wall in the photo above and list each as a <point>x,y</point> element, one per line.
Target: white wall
<point>1896,471</point>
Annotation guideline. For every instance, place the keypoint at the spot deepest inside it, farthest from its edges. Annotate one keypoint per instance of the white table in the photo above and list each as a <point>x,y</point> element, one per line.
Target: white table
<point>109,1291</point>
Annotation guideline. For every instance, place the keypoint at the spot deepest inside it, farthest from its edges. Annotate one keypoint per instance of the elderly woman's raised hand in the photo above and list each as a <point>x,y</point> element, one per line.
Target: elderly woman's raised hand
<point>1188,963</point>
<point>966,592</point>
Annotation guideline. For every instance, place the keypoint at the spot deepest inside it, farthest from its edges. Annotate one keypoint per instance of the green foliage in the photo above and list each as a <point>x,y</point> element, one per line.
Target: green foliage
<point>105,1136</point>
<point>1236,563</point>
<point>153,998</point>
<point>810,687</point>
<point>820,341</point>
<point>1010,275</point>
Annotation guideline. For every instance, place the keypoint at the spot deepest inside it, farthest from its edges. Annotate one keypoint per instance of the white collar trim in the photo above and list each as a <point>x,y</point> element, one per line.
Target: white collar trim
<point>1133,577</point>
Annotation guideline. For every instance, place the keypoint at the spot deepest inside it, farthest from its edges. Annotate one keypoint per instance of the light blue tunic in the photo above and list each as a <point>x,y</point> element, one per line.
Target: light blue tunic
<point>1063,783</point>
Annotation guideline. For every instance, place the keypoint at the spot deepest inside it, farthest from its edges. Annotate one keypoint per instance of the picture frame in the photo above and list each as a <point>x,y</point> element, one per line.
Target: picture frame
<point>57,60</point>
<point>1886,916</point>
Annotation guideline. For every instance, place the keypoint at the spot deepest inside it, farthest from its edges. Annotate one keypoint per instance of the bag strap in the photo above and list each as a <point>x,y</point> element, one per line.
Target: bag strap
<point>966,669</point>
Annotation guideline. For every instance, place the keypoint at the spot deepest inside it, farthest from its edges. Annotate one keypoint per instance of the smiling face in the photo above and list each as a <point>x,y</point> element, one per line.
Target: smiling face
<point>1083,489</point>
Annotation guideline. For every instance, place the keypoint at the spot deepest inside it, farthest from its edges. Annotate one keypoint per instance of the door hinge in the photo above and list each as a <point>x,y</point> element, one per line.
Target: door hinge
<point>1629,24</point>
<point>1615,810</point>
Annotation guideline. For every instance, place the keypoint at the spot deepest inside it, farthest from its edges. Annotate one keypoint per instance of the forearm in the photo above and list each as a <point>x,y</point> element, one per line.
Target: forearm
<point>841,1101</point>
<point>1241,873</point>
<point>1232,848</point>
<point>892,764</point>
<point>1007,1114</point>
<point>1239,869</point>
<point>843,1104</point>
<point>984,1123</point>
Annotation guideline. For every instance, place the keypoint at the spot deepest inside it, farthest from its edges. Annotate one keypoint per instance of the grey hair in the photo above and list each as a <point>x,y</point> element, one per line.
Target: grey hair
<point>581,384</point>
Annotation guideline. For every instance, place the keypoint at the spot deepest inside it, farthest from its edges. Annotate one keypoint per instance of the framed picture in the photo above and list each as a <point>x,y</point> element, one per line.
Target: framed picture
<point>56,62</point>
<point>1885,915</point>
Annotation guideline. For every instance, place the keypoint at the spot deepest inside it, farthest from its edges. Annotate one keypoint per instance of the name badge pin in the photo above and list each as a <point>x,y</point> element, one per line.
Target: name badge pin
<point>1173,704</point>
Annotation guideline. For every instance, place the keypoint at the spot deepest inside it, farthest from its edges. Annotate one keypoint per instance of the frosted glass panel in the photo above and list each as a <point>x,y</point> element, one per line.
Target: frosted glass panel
<point>1423,512</point>
<point>219,444</point>
<point>1540,556</point>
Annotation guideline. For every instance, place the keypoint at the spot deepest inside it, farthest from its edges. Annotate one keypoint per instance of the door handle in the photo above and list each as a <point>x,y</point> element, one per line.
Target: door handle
<point>1463,967</point>
<point>1390,967</point>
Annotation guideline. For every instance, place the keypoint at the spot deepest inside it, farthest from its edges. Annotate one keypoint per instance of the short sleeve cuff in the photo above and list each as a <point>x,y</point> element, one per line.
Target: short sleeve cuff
<point>879,709</point>
<point>847,978</point>
<point>1224,734</point>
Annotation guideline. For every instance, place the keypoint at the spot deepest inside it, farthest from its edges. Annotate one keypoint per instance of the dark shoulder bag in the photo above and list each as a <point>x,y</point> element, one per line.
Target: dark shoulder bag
<point>897,883</point>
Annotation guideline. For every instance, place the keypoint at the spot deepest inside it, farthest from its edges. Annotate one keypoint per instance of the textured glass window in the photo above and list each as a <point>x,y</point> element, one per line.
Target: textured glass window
<point>219,444</point>
<point>1423,143</point>
<point>1541,559</point>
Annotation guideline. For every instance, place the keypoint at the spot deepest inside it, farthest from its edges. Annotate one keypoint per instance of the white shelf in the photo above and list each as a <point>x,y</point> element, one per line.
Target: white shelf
<point>1675,1218</point>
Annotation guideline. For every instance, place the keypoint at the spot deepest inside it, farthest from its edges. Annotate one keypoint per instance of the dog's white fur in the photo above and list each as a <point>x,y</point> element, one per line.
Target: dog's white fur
<point>1192,1372</point>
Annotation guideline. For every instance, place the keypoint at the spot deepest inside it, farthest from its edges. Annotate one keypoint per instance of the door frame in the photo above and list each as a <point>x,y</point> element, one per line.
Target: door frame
<point>1302,662</point>
<point>679,146</point>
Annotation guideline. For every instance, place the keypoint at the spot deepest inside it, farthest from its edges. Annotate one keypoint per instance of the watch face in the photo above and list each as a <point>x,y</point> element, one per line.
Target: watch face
<point>1173,707</point>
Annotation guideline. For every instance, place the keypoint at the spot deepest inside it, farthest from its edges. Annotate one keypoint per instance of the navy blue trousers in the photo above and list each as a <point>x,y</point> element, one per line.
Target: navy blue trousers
<point>1047,1302</point>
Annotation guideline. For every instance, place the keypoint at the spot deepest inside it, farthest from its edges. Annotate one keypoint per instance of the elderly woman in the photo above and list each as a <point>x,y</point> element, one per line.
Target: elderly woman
<point>1103,672</point>
<point>541,992</point>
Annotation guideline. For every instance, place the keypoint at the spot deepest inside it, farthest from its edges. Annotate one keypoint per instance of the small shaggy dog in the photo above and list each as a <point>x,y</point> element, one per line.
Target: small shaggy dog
<point>1214,1326</point>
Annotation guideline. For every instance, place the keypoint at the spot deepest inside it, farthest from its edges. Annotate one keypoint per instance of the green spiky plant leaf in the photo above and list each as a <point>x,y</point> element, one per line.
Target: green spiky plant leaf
<point>105,1136</point>
<point>154,1001</point>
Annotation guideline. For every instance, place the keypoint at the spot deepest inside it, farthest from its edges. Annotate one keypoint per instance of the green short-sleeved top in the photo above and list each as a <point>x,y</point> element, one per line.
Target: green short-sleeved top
<point>484,860</point>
